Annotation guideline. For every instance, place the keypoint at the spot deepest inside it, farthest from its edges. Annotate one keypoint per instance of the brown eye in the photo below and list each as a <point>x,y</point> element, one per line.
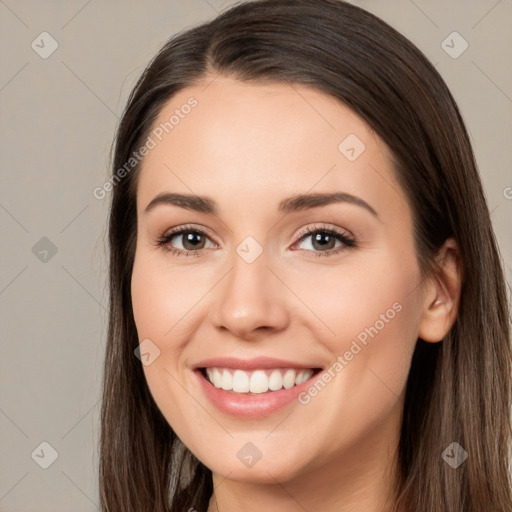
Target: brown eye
<point>193,240</point>
<point>324,241</point>
<point>185,240</point>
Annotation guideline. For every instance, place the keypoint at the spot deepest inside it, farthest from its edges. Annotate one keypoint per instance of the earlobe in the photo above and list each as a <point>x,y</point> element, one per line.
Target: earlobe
<point>442,294</point>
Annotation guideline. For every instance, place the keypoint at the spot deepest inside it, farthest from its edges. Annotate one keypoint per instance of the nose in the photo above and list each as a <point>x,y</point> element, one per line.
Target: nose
<point>250,301</point>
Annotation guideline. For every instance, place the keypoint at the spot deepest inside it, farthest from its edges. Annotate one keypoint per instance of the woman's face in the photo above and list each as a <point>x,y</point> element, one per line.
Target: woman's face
<point>299,257</point>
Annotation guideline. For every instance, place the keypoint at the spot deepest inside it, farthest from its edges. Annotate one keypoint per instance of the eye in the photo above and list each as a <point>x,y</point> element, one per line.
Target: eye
<point>324,241</point>
<point>185,240</point>
<point>317,241</point>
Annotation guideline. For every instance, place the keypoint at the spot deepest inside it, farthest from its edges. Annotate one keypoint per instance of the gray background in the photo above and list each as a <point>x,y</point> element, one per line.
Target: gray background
<point>58,117</point>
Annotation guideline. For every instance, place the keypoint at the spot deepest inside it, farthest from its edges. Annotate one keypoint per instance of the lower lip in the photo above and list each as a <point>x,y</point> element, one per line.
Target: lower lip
<point>251,406</point>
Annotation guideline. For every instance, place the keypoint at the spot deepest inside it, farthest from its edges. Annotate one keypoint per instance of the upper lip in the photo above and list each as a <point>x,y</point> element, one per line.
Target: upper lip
<point>257,363</point>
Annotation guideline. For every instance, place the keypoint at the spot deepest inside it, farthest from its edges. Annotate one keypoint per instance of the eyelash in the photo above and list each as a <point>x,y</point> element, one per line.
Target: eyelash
<point>348,241</point>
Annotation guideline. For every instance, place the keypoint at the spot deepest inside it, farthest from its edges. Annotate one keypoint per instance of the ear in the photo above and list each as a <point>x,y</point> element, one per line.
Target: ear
<point>441,295</point>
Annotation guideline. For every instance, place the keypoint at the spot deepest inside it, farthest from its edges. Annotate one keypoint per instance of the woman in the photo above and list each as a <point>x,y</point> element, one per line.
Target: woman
<point>308,308</point>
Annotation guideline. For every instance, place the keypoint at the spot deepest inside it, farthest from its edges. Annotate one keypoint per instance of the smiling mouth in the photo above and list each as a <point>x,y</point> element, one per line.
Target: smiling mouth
<point>257,381</point>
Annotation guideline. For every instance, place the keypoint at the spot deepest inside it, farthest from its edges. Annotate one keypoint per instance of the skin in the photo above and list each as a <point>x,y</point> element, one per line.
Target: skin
<point>248,146</point>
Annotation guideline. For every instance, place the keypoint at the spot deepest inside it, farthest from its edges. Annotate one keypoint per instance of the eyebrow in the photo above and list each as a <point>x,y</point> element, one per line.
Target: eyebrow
<point>295,203</point>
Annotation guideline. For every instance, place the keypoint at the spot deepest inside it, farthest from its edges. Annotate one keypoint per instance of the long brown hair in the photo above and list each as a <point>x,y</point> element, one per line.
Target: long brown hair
<point>458,390</point>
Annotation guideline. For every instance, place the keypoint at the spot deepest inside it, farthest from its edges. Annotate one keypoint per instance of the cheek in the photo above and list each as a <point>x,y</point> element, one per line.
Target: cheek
<point>163,297</point>
<point>368,324</point>
<point>163,302</point>
<point>366,315</point>
<point>151,299</point>
<point>168,307</point>
<point>360,299</point>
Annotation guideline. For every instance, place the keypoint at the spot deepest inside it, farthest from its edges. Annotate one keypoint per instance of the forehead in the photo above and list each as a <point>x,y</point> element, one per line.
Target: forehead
<point>255,141</point>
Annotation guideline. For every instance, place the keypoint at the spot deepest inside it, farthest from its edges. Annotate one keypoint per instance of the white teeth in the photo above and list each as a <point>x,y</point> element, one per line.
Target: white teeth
<point>226,381</point>
<point>302,376</point>
<point>217,378</point>
<point>240,381</point>
<point>275,381</point>
<point>289,379</point>
<point>258,381</point>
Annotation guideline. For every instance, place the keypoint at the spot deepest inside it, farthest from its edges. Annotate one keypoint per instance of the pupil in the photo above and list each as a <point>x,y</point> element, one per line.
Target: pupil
<point>192,238</point>
<point>323,240</point>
